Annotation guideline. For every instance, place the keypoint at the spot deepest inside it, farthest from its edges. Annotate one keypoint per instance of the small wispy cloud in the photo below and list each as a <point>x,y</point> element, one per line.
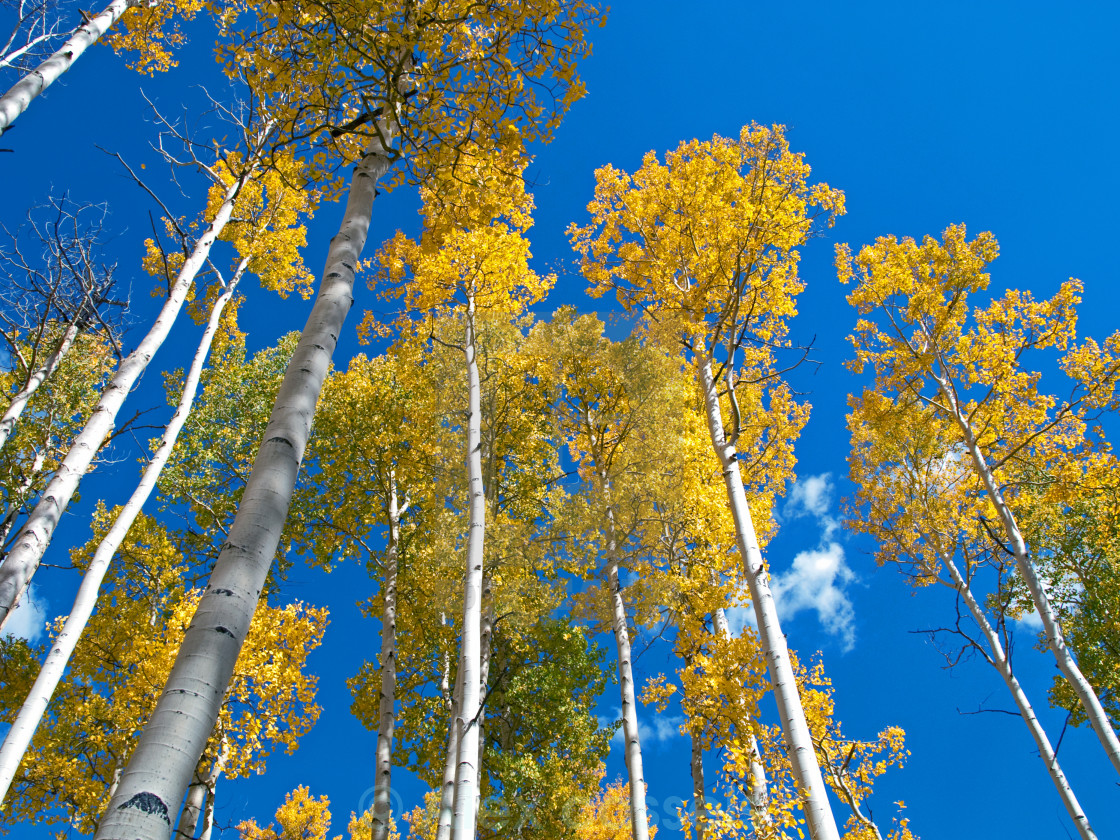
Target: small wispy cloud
<point>817,582</point>
<point>1031,621</point>
<point>28,619</point>
<point>818,578</point>
<point>812,496</point>
<point>662,729</point>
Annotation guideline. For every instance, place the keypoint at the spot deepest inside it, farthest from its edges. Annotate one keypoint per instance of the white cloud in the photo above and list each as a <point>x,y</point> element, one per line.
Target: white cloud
<point>812,496</point>
<point>28,619</point>
<point>1031,621</point>
<point>816,582</point>
<point>664,728</point>
<point>738,618</point>
<point>819,577</point>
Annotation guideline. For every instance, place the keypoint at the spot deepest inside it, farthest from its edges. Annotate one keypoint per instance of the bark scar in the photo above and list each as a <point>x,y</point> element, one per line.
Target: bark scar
<point>149,803</point>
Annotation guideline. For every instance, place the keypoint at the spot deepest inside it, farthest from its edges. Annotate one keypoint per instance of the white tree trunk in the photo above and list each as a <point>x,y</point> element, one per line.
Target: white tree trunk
<point>1052,629</point>
<point>999,660</point>
<point>450,764</point>
<point>31,713</point>
<point>639,821</point>
<point>37,378</point>
<point>806,770</point>
<point>173,740</point>
<point>19,96</point>
<point>187,826</point>
<point>758,791</point>
<point>386,710</point>
<point>15,500</point>
<point>486,638</point>
<point>212,790</point>
<point>465,816</point>
<point>32,541</point>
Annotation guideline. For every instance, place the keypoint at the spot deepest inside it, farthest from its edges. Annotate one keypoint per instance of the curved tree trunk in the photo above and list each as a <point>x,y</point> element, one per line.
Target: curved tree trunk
<point>37,378</point>
<point>31,713</point>
<point>173,740</point>
<point>803,759</point>
<point>32,541</point>
<point>19,96</point>
<point>999,660</point>
<point>466,775</point>
<point>1052,629</point>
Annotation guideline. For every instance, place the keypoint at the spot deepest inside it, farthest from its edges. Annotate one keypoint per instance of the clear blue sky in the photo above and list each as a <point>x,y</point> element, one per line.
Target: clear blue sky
<point>1003,116</point>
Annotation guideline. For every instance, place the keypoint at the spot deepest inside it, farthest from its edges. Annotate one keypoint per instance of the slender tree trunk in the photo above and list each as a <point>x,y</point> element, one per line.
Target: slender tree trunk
<point>19,96</point>
<point>175,736</point>
<point>806,770</point>
<point>192,810</point>
<point>386,710</point>
<point>759,792</point>
<point>1052,629</point>
<point>1000,661</point>
<point>37,378</point>
<point>15,500</point>
<point>700,799</point>
<point>639,821</point>
<point>212,790</point>
<point>466,776</point>
<point>450,765</point>
<point>486,639</point>
<point>36,534</point>
<point>31,713</point>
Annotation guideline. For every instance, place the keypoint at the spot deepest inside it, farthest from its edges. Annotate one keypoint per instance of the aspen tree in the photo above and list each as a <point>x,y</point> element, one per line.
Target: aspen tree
<point>122,661</point>
<point>913,332</point>
<point>50,301</point>
<point>229,177</point>
<point>614,401</point>
<point>364,479</point>
<point>264,236</point>
<point>62,406</point>
<point>705,246</point>
<point>472,260</point>
<point>34,27</point>
<point>19,97</point>
<point>541,41</point>
<point>1075,544</point>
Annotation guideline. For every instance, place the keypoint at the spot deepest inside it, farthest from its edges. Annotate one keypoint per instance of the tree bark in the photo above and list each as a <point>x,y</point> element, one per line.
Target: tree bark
<point>386,710</point>
<point>19,96</point>
<point>31,713</point>
<point>465,816</point>
<point>192,810</point>
<point>450,764</point>
<point>32,541</point>
<point>1000,661</point>
<point>35,380</point>
<point>1052,629</point>
<point>806,770</point>
<point>175,736</point>
<point>639,821</point>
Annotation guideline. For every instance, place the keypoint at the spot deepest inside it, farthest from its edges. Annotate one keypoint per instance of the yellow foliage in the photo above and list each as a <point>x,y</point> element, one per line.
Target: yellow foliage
<point>607,816</point>
<point>152,31</point>
<point>121,665</point>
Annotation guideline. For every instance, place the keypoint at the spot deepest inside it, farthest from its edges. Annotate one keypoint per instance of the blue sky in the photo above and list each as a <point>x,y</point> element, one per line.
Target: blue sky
<point>1003,116</point>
